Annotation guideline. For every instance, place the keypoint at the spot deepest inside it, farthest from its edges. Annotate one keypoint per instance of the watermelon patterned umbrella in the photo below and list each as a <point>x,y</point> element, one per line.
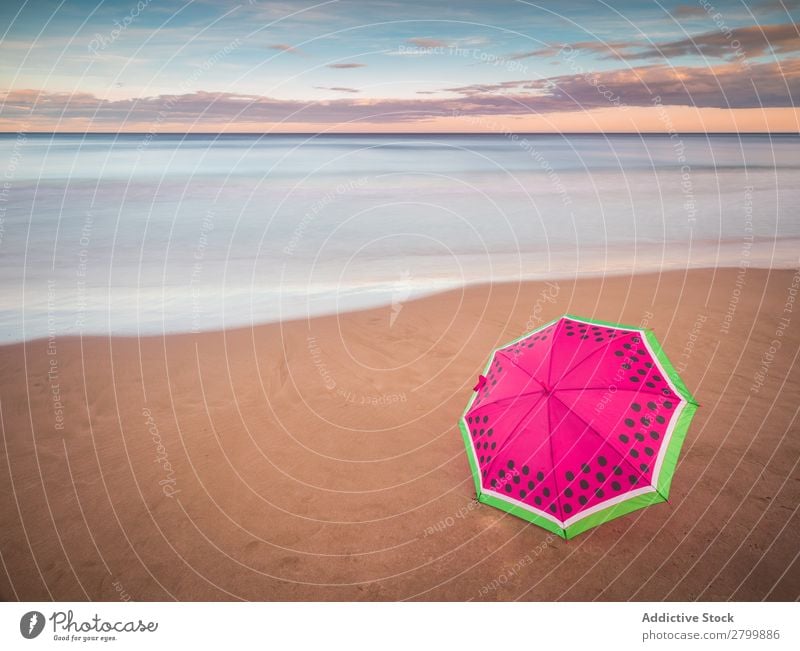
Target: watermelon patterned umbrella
<point>576,423</point>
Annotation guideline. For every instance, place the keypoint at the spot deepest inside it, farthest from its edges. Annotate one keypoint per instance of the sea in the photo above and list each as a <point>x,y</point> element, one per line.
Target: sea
<point>139,234</point>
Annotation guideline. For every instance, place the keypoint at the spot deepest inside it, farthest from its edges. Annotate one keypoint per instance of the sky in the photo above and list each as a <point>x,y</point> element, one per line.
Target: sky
<point>399,66</point>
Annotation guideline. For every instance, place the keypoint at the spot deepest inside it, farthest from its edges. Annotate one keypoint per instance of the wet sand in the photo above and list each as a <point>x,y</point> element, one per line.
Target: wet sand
<point>321,459</point>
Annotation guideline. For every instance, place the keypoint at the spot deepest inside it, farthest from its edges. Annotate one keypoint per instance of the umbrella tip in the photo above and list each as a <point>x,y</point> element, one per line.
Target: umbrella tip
<point>481,383</point>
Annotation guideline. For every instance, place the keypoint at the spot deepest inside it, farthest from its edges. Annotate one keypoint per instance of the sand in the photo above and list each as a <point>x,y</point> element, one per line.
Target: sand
<point>321,459</point>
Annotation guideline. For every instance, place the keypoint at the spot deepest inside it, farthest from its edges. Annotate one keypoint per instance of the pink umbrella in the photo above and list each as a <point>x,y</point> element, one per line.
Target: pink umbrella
<point>576,423</point>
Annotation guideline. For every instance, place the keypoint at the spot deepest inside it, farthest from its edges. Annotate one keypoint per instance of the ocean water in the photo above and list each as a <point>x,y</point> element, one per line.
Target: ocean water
<point>128,234</point>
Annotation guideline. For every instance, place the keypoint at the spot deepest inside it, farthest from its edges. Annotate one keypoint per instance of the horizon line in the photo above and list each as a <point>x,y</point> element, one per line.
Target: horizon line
<point>404,133</point>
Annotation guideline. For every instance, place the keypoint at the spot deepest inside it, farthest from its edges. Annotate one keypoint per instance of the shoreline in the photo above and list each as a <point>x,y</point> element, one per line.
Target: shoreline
<point>320,459</point>
<point>387,304</point>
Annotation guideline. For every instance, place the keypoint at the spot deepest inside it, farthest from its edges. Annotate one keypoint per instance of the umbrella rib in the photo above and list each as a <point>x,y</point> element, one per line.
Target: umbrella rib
<point>605,440</point>
<point>648,392</point>
<point>500,401</point>
<point>553,465</point>
<point>524,370</point>
<point>596,350</point>
<point>552,348</point>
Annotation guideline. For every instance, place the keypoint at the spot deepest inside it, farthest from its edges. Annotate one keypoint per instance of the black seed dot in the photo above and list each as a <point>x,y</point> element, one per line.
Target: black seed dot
<point>639,436</point>
<point>600,477</point>
<point>634,378</point>
<point>531,485</point>
<point>490,432</point>
<point>645,421</point>
<point>668,404</point>
<point>660,420</point>
<point>648,451</point>
<point>569,475</point>
<point>494,483</point>
<point>629,422</point>
<point>615,485</point>
<point>568,492</point>
<point>481,458</point>
<point>654,435</point>
<point>522,494</point>
<point>624,438</point>
<point>626,346</point>
<point>538,500</point>
<point>540,475</point>
<point>485,419</point>
<point>510,465</point>
<point>546,492</point>
<point>648,365</point>
<point>494,445</point>
<point>633,358</point>
<point>585,467</point>
<point>481,432</point>
<point>651,406</point>
<point>644,467</point>
<point>636,340</point>
<point>552,508</point>
<point>516,479</point>
<point>508,488</point>
<point>657,378</point>
<point>617,470</point>
<point>633,479</point>
<point>582,499</point>
<point>619,353</point>
<point>641,371</point>
<point>570,334</point>
<point>601,461</point>
<point>626,366</point>
<point>634,453</point>
<point>599,492</point>
<point>525,470</point>
<point>469,419</point>
<point>567,508</point>
<point>584,484</point>
<point>502,473</point>
<point>636,406</point>
<point>650,385</point>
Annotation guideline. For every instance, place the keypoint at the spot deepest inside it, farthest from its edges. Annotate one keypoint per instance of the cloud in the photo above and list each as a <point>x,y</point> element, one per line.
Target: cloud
<point>598,47</point>
<point>778,5</point>
<point>283,47</point>
<point>545,51</point>
<point>482,89</point>
<point>427,42</point>
<point>725,86</point>
<point>754,41</point>
<point>346,66</point>
<point>338,89</point>
<point>688,11</point>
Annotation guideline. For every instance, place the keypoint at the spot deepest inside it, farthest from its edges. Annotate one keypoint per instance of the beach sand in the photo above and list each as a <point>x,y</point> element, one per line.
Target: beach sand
<point>321,459</point>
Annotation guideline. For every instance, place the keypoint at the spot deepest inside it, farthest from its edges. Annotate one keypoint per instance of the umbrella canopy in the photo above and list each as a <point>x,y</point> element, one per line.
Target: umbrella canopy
<point>576,423</point>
